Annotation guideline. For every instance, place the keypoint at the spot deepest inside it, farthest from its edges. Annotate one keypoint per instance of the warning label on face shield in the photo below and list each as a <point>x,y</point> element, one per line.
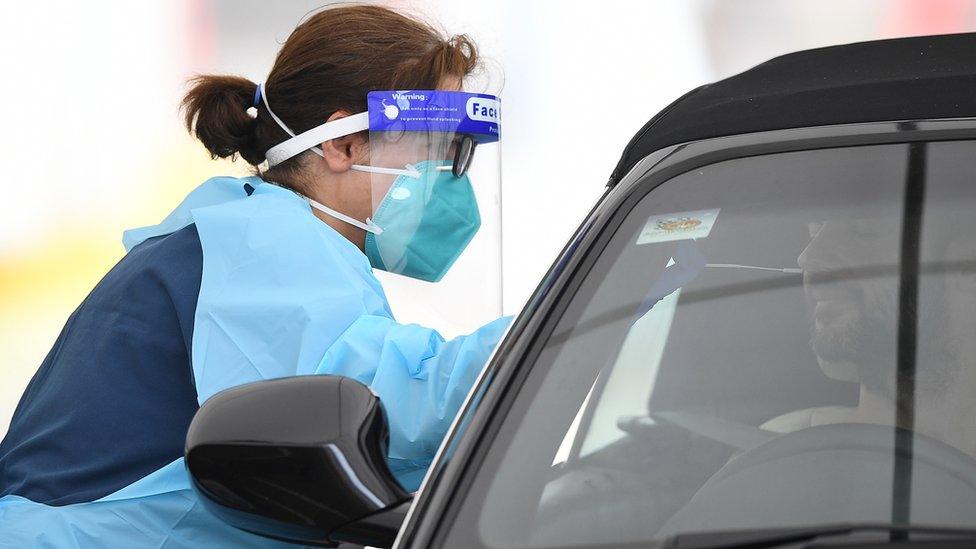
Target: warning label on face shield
<point>678,226</point>
<point>435,111</point>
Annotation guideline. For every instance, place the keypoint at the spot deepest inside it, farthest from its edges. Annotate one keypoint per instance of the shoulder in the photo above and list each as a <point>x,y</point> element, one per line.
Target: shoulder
<point>177,253</point>
<point>273,233</point>
<point>169,246</point>
<point>160,274</point>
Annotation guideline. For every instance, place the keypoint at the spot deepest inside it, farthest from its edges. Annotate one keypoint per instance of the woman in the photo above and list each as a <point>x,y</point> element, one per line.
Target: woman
<point>265,277</point>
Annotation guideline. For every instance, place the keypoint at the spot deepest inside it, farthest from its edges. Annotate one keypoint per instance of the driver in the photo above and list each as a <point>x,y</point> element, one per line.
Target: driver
<point>851,283</point>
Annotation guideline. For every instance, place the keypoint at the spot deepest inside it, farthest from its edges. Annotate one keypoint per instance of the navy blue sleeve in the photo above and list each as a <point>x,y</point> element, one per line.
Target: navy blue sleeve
<point>113,399</point>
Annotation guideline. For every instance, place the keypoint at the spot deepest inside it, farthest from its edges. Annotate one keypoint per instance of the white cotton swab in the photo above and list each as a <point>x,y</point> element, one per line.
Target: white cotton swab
<point>784,270</point>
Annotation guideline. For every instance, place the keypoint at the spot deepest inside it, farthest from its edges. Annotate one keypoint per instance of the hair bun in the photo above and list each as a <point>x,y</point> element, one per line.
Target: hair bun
<point>216,112</point>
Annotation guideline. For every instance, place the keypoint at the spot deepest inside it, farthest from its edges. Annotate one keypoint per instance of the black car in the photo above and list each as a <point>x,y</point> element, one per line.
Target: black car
<point>763,335</point>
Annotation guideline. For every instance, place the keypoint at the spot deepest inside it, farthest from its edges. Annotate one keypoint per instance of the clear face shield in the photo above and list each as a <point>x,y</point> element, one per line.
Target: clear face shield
<point>434,171</point>
<point>440,213</point>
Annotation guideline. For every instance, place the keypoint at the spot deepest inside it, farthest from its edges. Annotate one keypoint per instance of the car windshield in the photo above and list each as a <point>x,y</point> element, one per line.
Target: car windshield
<point>765,342</point>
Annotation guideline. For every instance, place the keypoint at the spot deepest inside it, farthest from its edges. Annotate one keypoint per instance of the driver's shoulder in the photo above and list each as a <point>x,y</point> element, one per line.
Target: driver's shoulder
<point>808,417</point>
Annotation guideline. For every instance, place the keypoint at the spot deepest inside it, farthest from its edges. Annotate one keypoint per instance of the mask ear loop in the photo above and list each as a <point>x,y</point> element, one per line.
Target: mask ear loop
<point>409,170</point>
<point>368,226</point>
<point>310,139</point>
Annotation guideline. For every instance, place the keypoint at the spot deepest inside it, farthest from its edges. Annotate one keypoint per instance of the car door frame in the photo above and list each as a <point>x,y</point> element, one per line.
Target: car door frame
<point>449,478</point>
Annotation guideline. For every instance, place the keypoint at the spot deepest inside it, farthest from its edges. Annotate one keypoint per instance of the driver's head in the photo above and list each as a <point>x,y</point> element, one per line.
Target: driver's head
<point>851,276</point>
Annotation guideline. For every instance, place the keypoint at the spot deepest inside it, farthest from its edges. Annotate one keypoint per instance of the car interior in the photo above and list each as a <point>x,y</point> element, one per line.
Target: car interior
<point>641,418</point>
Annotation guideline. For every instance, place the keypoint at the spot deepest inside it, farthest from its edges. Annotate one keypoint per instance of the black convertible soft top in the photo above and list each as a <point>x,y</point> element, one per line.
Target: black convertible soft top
<point>884,80</point>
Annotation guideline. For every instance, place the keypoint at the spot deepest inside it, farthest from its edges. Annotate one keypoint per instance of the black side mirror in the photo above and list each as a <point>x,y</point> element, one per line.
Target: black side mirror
<point>299,459</point>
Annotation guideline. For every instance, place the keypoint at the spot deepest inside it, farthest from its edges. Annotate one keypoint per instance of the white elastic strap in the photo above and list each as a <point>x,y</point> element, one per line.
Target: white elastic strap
<point>408,171</point>
<point>312,138</point>
<point>368,226</point>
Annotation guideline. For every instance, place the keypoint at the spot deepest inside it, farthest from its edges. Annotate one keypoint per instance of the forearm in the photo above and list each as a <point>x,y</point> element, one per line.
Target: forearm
<point>421,379</point>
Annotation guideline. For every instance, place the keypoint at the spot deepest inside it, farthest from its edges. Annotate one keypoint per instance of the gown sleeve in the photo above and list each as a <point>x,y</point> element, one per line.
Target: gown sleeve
<point>421,380</point>
<point>283,294</point>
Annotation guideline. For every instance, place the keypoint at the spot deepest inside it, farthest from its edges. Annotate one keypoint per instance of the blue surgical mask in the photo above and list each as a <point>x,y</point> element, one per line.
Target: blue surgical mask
<point>426,223</point>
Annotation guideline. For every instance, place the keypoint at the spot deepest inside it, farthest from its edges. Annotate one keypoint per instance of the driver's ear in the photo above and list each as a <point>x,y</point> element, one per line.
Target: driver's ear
<point>342,152</point>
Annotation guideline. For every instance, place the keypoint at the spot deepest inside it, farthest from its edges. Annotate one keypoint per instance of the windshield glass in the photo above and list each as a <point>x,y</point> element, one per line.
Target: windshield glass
<point>734,359</point>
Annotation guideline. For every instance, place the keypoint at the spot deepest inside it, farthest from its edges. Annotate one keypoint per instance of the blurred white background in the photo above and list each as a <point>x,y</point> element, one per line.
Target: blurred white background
<point>94,144</point>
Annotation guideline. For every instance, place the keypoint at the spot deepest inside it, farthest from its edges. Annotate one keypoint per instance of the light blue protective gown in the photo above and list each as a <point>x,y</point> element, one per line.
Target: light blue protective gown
<point>282,294</point>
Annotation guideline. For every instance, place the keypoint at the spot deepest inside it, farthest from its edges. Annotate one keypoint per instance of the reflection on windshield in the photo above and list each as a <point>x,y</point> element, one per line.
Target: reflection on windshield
<point>733,361</point>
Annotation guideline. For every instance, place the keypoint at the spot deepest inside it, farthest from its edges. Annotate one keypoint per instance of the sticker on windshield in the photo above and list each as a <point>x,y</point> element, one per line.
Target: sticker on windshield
<point>678,226</point>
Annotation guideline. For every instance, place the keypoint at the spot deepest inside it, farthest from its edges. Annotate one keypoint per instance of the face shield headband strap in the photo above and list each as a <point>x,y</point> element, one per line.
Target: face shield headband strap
<point>312,138</point>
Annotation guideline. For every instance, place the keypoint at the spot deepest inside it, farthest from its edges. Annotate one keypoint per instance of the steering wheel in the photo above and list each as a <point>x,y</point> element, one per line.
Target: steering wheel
<point>831,473</point>
<point>622,485</point>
